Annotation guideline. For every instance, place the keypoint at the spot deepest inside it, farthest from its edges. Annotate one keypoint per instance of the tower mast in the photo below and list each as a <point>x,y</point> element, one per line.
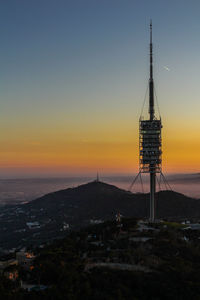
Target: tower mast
<point>150,146</point>
<point>151,84</point>
<point>150,142</point>
<point>151,118</point>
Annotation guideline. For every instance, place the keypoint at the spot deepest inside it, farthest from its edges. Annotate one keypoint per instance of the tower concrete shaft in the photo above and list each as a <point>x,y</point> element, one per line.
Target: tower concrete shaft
<point>151,118</point>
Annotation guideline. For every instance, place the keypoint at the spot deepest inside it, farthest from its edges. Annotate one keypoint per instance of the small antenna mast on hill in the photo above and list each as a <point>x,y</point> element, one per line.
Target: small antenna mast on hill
<point>97,179</point>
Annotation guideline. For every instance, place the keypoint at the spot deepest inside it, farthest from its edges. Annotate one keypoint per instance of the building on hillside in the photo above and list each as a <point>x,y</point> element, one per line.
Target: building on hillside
<point>25,259</point>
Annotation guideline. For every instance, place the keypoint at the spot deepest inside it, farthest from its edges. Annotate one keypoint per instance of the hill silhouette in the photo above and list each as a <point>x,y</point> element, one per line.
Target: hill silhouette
<point>52,215</point>
<point>99,199</point>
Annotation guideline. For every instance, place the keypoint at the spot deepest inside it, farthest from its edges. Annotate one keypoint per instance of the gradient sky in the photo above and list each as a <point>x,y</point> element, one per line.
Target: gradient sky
<point>73,76</point>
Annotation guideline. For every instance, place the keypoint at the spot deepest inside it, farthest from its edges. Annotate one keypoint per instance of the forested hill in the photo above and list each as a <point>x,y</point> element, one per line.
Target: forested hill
<point>112,262</point>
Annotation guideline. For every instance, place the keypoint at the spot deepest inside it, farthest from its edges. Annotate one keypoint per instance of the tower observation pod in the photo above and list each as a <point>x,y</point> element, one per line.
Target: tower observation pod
<point>150,155</point>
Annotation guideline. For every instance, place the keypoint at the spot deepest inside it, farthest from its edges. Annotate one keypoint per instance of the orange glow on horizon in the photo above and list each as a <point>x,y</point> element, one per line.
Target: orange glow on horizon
<point>109,148</point>
<point>105,156</point>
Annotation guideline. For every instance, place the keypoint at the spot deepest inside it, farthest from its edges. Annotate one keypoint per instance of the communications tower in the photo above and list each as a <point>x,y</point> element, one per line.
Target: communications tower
<point>150,139</point>
<point>150,142</point>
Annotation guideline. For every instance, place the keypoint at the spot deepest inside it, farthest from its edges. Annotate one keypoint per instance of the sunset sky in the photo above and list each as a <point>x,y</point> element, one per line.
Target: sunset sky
<point>73,76</point>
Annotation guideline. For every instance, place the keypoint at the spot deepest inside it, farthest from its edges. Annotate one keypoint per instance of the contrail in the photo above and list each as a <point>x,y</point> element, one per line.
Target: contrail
<point>166,68</point>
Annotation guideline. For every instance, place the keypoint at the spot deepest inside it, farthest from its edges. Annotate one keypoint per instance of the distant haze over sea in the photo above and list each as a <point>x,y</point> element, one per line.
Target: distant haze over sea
<point>23,190</point>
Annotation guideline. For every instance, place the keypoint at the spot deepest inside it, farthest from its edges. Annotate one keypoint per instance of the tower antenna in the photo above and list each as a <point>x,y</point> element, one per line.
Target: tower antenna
<point>150,140</point>
<point>151,83</point>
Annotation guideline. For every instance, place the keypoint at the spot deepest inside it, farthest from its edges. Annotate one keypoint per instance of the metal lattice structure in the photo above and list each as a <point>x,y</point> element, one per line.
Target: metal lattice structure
<point>150,142</point>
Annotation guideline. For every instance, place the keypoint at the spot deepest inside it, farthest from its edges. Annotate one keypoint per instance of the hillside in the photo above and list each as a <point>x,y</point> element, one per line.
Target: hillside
<point>112,261</point>
<point>52,215</point>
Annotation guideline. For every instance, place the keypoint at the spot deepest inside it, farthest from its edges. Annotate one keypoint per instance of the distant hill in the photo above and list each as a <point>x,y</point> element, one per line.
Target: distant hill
<point>102,200</point>
<point>48,217</point>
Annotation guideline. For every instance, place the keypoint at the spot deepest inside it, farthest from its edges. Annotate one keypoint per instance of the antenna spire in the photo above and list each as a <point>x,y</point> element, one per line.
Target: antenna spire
<point>151,52</point>
<point>151,84</point>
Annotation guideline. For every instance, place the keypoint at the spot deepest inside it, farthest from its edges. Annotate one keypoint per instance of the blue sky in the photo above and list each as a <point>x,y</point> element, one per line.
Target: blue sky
<point>77,71</point>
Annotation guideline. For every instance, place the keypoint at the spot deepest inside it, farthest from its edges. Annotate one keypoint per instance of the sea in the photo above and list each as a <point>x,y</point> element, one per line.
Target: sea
<point>23,190</point>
